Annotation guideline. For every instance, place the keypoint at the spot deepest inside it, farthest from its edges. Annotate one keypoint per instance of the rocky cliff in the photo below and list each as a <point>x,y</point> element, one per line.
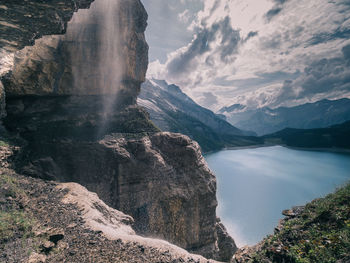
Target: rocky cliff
<point>22,23</point>
<point>102,52</point>
<point>54,222</point>
<point>72,109</point>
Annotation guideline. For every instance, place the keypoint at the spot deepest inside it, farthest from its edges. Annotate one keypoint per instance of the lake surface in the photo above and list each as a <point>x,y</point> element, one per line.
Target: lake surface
<point>255,185</point>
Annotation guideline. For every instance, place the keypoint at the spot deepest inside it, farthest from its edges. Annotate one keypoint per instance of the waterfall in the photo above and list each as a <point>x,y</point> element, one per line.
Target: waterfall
<point>94,37</point>
<point>97,58</point>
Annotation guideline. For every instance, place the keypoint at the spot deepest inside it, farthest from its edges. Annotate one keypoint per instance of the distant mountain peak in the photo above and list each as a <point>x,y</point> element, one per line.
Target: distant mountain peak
<point>172,110</point>
<point>319,114</point>
<point>174,88</point>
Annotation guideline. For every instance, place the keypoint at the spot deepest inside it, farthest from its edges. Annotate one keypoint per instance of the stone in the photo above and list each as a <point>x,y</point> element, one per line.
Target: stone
<point>71,65</point>
<point>226,244</point>
<point>163,182</point>
<point>295,211</point>
<point>47,246</point>
<point>2,101</point>
<point>22,23</point>
<point>37,258</point>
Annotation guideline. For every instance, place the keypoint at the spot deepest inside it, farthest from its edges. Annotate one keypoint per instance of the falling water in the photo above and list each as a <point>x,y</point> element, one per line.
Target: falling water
<point>95,47</point>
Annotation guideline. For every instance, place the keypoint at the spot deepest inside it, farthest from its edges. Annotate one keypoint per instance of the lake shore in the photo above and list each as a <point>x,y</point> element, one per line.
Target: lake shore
<point>332,150</point>
<point>255,184</point>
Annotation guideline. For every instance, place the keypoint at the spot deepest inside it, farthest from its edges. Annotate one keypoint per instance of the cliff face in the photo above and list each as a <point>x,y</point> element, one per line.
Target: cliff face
<point>53,222</point>
<point>22,24</point>
<point>160,180</point>
<point>75,107</point>
<point>103,52</point>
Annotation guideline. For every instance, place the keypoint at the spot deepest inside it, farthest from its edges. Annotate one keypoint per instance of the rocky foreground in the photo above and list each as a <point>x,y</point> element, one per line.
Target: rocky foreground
<point>43,221</point>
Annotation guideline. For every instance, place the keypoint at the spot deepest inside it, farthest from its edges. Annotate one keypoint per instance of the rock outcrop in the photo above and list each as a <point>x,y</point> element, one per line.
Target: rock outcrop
<point>2,102</point>
<point>22,23</point>
<point>52,222</point>
<point>78,122</point>
<point>103,52</point>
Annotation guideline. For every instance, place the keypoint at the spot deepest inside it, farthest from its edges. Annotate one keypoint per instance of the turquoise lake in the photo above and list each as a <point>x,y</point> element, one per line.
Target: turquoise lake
<point>255,185</point>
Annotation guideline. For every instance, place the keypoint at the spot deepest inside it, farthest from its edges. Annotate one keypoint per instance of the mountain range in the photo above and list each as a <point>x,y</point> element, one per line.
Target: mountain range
<point>172,110</point>
<point>336,136</point>
<point>265,120</point>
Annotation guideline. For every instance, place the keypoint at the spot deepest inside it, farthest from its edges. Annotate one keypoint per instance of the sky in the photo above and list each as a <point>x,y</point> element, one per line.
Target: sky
<point>253,52</point>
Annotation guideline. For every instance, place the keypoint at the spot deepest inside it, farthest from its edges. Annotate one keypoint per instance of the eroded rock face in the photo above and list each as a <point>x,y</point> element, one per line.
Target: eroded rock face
<point>103,52</point>
<point>161,180</point>
<point>22,23</point>
<point>2,101</point>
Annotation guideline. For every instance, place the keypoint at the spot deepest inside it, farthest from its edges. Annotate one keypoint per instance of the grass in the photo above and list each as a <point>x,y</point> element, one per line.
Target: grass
<point>9,183</point>
<point>3,143</point>
<point>321,233</point>
<point>15,223</point>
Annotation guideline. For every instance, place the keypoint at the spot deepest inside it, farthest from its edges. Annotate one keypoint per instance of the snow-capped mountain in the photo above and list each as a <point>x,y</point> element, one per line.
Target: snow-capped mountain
<point>172,110</point>
<point>263,121</point>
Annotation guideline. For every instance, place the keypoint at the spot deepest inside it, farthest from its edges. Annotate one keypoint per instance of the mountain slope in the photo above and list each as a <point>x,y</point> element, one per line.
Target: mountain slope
<point>336,136</point>
<point>318,232</point>
<point>172,110</point>
<point>263,121</point>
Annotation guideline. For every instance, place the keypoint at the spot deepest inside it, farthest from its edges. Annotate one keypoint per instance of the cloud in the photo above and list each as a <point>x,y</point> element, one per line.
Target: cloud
<point>331,76</point>
<point>184,16</point>
<point>218,40</point>
<point>262,53</point>
<point>275,10</point>
<point>168,23</point>
<point>208,99</point>
<point>346,52</point>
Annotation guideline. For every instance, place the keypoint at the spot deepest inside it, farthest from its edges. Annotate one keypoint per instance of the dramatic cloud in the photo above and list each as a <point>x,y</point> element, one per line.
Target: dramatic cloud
<point>320,78</point>
<point>218,41</point>
<point>208,99</point>
<point>168,22</point>
<point>259,53</point>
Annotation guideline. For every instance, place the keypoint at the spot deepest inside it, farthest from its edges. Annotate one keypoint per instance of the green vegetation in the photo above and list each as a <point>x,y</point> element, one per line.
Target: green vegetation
<point>9,186</point>
<point>139,125</point>
<point>15,223</point>
<point>3,143</point>
<point>336,136</point>
<point>320,233</point>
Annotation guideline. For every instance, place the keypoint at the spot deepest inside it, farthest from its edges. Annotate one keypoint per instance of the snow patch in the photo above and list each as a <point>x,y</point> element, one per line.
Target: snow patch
<point>148,105</point>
